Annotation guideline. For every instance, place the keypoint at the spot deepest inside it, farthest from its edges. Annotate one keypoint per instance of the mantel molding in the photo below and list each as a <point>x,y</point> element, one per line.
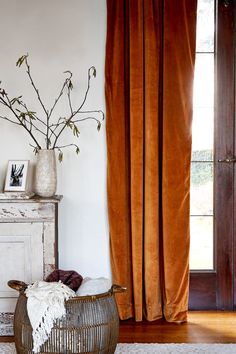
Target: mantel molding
<point>34,199</point>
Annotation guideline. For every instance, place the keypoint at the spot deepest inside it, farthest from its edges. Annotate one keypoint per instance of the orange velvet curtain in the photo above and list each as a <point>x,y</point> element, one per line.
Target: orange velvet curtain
<point>150,53</point>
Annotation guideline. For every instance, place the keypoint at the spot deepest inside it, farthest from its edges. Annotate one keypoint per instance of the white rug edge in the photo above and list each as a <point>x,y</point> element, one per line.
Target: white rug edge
<point>157,348</point>
<point>176,348</point>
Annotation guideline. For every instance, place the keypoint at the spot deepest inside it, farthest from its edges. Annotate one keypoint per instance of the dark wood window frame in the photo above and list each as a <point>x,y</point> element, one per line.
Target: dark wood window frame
<point>214,289</point>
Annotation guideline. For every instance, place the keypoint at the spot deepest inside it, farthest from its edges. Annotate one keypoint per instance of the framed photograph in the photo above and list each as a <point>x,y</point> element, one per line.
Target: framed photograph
<point>16,176</point>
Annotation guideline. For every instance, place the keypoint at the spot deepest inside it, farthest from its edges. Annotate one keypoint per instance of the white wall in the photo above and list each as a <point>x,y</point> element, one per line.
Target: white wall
<point>62,35</point>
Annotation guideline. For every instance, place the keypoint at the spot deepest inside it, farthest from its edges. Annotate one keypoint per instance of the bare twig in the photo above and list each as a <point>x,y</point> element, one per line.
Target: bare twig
<point>9,105</point>
<point>56,125</point>
<point>82,104</point>
<point>69,100</point>
<point>67,145</point>
<point>61,92</point>
<point>30,121</point>
<point>95,111</point>
<point>9,120</point>
<point>35,88</point>
<point>35,127</point>
<point>88,87</point>
<point>87,118</point>
<point>39,99</point>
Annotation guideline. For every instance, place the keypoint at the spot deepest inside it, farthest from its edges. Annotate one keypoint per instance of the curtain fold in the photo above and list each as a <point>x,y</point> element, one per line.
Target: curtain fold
<point>149,67</point>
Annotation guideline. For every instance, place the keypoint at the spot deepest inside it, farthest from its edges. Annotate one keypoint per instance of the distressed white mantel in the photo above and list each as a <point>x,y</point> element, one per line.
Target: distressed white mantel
<point>28,243</point>
<point>36,210</point>
<point>33,209</point>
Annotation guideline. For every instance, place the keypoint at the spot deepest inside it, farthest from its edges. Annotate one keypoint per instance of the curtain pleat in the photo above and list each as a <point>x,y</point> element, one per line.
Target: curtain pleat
<point>148,85</point>
<point>152,159</point>
<point>178,53</point>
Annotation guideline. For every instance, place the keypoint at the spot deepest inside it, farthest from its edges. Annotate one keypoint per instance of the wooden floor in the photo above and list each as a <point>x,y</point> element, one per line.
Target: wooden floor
<point>202,327</point>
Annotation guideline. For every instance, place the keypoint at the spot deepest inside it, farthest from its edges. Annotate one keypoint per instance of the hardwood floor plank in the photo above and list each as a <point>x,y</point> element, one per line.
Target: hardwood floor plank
<point>202,327</point>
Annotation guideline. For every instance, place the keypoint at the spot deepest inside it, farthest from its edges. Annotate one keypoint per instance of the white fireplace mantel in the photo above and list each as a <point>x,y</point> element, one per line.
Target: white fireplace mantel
<point>28,243</point>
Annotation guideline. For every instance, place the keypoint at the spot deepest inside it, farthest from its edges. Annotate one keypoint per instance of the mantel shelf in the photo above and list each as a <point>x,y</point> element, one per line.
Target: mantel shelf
<point>34,199</point>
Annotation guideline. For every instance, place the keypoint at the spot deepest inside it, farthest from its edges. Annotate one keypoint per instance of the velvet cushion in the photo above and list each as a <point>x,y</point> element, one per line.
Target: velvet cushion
<point>68,277</point>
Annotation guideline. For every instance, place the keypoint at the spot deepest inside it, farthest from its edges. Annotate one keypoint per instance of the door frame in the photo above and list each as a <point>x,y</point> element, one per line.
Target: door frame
<point>214,289</point>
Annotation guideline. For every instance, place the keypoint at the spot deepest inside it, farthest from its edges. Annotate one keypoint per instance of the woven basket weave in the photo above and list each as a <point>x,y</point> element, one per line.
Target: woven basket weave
<point>91,325</point>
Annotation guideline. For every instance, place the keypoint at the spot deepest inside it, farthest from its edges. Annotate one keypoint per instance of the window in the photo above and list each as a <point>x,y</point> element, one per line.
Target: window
<point>202,164</point>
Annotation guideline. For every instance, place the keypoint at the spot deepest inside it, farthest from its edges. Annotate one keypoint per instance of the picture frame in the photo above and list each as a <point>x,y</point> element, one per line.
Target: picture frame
<point>16,176</point>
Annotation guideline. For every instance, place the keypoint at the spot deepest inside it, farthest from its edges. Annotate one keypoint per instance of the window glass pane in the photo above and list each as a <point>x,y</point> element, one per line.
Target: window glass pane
<point>201,191</point>
<point>202,155</point>
<point>201,244</point>
<point>203,91</point>
<point>205,26</point>
<point>202,134</point>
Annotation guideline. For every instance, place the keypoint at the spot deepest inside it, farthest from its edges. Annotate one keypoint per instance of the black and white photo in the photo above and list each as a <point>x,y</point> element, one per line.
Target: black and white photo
<point>16,175</point>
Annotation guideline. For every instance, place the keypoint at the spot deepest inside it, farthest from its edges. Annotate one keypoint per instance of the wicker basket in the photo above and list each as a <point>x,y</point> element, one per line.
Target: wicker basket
<point>91,325</point>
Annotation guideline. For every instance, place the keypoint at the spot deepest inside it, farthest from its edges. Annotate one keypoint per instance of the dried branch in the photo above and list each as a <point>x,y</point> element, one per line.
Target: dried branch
<point>82,104</point>
<point>35,88</point>
<point>8,104</point>
<point>30,121</point>
<point>9,120</point>
<point>98,111</point>
<point>88,118</point>
<point>61,91</point>
<point>67,145</point>
<point>88,86</point>
<point>60,156</point>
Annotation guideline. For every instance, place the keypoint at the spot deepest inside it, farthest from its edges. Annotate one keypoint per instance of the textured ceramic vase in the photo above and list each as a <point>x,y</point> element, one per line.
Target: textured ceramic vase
<point>46,173</point>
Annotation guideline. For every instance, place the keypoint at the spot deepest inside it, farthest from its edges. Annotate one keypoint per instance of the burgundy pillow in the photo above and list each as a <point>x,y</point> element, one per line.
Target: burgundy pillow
<point>68,277</point>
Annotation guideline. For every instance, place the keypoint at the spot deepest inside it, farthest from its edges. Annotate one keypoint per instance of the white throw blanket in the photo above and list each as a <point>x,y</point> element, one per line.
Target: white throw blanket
<point>44,305</point>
